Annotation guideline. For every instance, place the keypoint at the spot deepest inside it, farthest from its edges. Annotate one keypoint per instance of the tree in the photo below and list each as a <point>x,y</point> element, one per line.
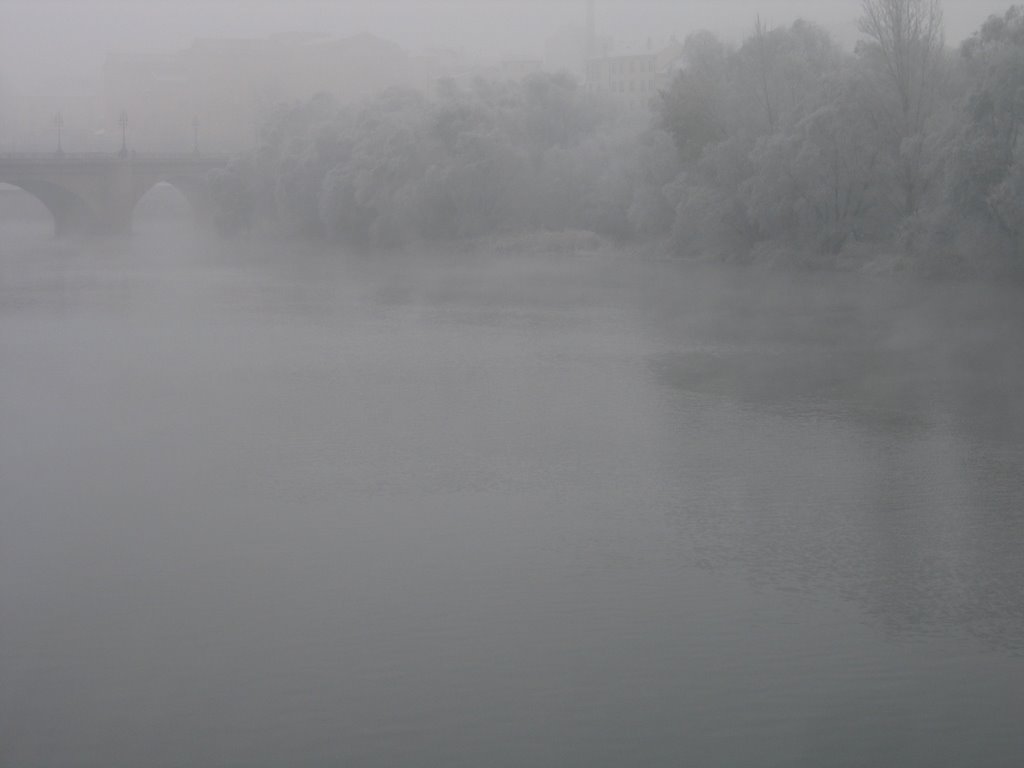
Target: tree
<point>988,169</point>
<point>555,112</point>
<point>690,110</point>
<point>764,61</point>
<point>4,127</point>
<point>780,74</point>
<point>231,197</point>
<point>818,182</point>
<point>904,52</point>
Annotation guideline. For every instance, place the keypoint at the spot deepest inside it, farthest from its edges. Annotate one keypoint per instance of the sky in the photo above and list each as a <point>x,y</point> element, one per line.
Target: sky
<point>41,39</point>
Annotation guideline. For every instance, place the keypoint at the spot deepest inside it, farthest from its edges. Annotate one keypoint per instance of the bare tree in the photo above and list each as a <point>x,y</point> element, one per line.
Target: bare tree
<point>764,62</point>
<point>906,43</point>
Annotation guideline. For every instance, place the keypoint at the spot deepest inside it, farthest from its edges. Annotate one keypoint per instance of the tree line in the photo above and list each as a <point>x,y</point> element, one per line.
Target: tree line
<point>783,148</point>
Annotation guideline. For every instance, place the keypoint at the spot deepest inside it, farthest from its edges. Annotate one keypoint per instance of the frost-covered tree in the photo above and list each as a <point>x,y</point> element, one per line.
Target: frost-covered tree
<point>988,170</point>
<point>903,51</point>
<point>691,108</point>
<point>780,74</point>
<point>819,182</point>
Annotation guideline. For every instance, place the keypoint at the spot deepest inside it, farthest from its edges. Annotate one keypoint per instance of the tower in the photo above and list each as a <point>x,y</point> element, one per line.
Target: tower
<point>591,44</point>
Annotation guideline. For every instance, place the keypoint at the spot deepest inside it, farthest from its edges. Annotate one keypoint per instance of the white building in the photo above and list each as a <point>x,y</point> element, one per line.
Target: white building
<point>631,79</point>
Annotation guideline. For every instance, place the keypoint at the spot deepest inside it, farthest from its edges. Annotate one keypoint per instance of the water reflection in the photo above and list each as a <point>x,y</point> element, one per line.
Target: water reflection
<point>877,458</point>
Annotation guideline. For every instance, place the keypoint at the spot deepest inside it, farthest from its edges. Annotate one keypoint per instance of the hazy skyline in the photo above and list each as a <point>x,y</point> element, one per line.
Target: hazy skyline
<point>40,39</point>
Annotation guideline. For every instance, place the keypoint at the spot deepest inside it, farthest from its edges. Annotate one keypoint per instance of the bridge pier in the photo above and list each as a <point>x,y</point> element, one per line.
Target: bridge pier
<point>71,214</point>
<point>114,211</point>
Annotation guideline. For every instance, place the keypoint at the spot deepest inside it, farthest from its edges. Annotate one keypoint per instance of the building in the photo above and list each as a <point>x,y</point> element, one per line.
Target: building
<point>229,86</point>
<point>566,51</point>
<point>436,65</point>
<point>517,69</point>
<point>631,76</point>
<point>28,112</point>
<point>631,79</point>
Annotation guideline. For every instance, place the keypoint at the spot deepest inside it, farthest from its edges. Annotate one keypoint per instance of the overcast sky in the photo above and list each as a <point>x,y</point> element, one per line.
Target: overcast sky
<point>67,37</point>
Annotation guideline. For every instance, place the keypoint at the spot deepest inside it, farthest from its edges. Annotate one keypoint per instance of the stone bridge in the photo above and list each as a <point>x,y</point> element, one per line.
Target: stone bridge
<point>96,194</point>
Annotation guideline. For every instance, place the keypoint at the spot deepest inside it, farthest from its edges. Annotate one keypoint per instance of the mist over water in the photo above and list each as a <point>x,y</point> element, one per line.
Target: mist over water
<point>268,504</point>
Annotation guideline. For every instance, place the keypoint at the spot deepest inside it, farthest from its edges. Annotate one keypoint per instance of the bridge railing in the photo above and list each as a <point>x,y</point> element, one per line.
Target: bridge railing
<point>53,155</point>
<point>89,157</point>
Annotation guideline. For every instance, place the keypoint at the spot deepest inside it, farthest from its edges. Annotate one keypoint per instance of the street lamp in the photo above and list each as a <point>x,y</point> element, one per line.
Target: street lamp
<point>59,122</point>
<point>124,135</point>
<point>195,135</point>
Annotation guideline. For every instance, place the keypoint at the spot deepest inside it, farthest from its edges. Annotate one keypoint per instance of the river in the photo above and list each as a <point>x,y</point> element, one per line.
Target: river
<point>264,505</point>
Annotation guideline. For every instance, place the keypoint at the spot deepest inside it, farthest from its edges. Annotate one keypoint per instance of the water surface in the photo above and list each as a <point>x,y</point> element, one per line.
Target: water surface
<point>262,505</point>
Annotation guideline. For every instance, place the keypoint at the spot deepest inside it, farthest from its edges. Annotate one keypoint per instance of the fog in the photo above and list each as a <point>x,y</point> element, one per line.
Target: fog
<point>52,52</point>
<point>526,503</point>
<point>390,384</point>
<point>56,37</point>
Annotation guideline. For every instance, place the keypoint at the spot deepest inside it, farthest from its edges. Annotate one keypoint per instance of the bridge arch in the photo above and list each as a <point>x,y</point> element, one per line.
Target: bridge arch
<point>98,193</point>
<point>192,189</point>
<point>71,212</point>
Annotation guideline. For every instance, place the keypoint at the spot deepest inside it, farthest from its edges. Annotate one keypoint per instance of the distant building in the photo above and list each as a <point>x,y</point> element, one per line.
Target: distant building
<point>29,109</point>
<point>566,51</point>
<point>435,65</point>
<point>230,85</point>
<point>463,73</point>
<point>154,91</point>
<point>517,69</point>
<point>632,78</point>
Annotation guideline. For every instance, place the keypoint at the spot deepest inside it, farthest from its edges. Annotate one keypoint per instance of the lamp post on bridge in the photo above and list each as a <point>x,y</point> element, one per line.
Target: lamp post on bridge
<point>58,121</point>
<point>195,135</point>
<point>123,120</point>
